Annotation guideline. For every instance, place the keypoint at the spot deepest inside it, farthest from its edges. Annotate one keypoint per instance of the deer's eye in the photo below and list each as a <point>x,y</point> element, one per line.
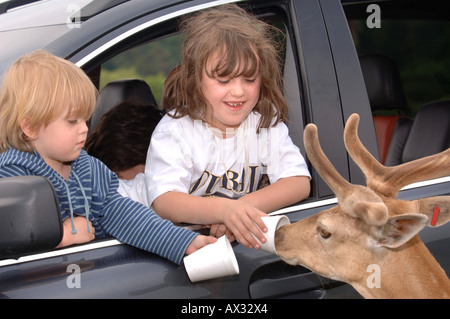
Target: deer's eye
<point>323,232</point>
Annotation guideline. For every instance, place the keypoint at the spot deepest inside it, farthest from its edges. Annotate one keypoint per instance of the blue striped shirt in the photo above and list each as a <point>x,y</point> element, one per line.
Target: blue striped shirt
<point>92,188</point>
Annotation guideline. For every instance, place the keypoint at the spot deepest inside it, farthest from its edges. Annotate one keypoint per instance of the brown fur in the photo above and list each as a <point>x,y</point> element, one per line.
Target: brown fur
<point>370,226</point>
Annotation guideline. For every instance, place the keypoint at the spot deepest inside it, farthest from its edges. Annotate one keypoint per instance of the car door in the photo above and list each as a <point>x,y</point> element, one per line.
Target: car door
<point>324,84</point>
<point>123,271</point>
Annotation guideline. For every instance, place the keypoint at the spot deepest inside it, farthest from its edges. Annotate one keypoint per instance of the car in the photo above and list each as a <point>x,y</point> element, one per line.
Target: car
<point>330,71</point>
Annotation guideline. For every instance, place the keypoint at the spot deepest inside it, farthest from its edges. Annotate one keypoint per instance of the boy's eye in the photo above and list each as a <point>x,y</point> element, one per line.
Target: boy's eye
<point>73,121</point>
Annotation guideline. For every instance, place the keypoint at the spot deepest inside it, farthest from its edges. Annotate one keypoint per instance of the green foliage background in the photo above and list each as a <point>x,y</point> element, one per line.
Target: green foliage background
<point>150,62</point>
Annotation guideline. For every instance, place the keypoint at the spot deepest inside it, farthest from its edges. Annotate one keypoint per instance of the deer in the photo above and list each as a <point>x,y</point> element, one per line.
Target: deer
<point>370,226</point>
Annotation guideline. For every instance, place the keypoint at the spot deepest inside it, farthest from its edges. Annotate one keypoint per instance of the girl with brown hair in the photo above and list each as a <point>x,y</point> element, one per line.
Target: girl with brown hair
<point>224,129</point>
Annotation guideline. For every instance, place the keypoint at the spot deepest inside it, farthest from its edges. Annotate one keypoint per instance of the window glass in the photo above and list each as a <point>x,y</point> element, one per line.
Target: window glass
<point>150,62</point>
<point>418,46</point>
<point>153,60</point>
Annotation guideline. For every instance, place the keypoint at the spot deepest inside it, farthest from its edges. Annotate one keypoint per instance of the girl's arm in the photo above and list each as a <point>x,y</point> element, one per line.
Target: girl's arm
<point>137,225</point>
<point>240,217</point>
<point>282,193</point>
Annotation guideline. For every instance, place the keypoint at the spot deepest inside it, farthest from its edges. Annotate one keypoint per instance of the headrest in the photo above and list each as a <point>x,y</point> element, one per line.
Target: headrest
<point>383,82</point>
<point>430,131</point>
<point>116,92</point>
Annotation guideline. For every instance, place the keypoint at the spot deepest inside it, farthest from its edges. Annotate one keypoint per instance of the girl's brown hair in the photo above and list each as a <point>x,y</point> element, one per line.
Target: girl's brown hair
<point>243,43</point>
<point>39,88</point>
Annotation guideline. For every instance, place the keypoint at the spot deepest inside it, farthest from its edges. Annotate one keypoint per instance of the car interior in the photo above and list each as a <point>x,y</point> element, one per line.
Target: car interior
<point>403,133</point>
<point>400,137</point>
<point>411,117</point>
<point>137,89</point>
<point>117,92</point>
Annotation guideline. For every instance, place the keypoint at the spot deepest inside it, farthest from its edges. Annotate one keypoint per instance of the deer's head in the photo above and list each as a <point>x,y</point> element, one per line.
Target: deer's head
<point>369,223</point>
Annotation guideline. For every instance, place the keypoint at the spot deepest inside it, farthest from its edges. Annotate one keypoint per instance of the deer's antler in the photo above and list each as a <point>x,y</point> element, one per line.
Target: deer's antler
<point>389,180</point>
<point>354,200</point>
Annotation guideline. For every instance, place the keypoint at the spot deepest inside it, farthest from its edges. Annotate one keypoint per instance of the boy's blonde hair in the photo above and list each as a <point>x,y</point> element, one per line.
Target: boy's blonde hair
<point>242,42</point>
<point>39,88</point>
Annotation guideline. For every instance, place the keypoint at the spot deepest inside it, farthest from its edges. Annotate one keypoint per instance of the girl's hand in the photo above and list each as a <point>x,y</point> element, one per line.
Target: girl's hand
<point>199,242</point>
<point>82,235</point>
<point>243,220</point>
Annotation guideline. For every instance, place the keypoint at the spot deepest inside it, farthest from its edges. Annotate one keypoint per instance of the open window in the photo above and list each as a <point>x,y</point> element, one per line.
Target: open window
<point>152,53</point>
<point>403,49</point>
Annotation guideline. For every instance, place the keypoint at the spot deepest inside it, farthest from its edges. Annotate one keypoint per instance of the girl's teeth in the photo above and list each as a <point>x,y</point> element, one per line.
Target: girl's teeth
<point>235,104</point>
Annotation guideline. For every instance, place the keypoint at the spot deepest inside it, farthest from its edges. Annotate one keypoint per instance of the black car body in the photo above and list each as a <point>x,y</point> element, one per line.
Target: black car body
<point>324,85</point>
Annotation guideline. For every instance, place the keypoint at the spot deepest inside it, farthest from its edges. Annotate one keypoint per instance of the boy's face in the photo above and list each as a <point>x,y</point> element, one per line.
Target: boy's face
<point>231,99</point>
<point>61,141</point>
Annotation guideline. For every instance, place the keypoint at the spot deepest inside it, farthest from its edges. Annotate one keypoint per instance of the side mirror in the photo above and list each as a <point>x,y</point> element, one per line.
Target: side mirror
<point>30,219</point>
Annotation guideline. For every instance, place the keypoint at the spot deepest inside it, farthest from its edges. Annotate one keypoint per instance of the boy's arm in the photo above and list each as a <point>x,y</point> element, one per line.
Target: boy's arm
<point>81,236</point>
<point>137,225</point>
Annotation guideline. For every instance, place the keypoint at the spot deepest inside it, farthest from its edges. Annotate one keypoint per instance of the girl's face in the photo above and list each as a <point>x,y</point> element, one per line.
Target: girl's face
<point>61,141</point>
<point>231,99</point>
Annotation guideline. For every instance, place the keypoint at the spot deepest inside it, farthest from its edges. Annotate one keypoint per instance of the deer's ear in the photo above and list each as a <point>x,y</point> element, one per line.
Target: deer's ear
<point>436,208</point>
<point>399,229</point>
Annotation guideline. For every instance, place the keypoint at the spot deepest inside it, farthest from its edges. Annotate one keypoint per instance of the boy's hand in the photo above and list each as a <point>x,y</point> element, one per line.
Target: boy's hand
<point>82,235</point>
<point>218,230</point>
<point>199,242</point>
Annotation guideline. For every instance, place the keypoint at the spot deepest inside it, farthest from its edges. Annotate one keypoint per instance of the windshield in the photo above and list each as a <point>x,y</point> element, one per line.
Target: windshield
<point>34,26</point>
<point>19,42</point>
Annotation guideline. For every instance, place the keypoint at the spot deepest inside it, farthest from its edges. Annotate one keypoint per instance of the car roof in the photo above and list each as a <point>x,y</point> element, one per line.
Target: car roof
<point>32,25</point>
<point>29,15</point>
<point>20,14</point>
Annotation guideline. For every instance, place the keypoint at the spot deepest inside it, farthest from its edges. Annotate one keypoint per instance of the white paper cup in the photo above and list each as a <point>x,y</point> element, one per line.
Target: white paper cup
<point>212,261</point>
<point>272,223</point>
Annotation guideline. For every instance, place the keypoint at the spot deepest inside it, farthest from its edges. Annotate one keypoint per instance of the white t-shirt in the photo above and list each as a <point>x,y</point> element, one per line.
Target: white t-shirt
<point>186,155</point>
<point>136,189</point>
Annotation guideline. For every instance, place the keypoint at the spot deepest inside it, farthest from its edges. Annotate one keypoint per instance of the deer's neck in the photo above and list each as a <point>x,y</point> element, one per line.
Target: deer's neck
<point>409,272</point>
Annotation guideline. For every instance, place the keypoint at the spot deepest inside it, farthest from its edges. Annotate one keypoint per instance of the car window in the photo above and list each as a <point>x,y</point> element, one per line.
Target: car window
<point>417,41</point>
<point>151,62</point>
<point>153,59</point>
<point>403,53</point>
